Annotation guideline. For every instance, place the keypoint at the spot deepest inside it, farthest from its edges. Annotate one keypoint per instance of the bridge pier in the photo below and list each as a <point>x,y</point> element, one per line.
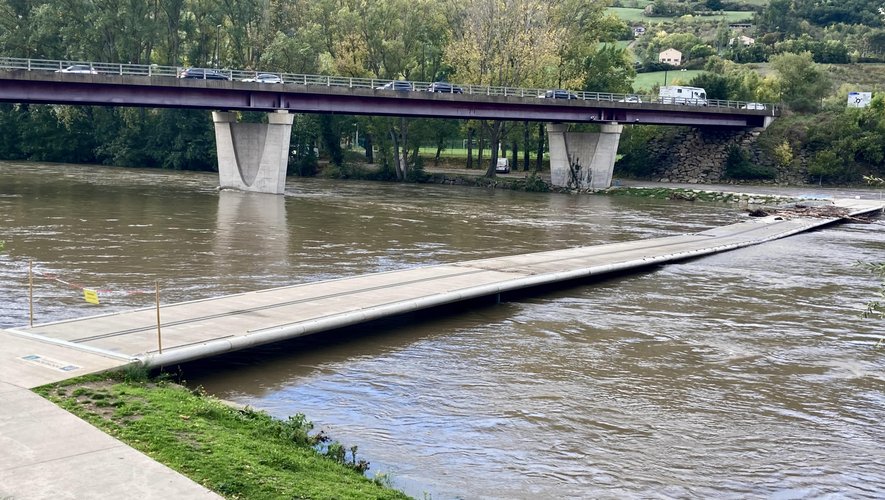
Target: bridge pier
<point>583,160</point>
<point>253,156</point>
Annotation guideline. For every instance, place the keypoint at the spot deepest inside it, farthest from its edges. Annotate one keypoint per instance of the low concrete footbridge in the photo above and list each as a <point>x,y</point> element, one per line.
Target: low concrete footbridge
<point>253,157</point>
<point>177,333</point>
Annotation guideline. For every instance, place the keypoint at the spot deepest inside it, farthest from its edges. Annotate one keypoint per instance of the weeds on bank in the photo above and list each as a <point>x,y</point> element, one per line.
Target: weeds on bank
<point>238,453</point>
<point>694,195</point>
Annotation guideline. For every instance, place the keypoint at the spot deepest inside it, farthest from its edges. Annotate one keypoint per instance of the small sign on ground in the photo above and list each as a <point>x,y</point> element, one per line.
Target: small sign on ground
<point>50,363</point>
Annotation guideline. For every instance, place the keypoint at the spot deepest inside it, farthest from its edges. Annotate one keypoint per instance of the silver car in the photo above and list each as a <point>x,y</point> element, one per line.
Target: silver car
<point>265,78</point>
<point>78,68</point>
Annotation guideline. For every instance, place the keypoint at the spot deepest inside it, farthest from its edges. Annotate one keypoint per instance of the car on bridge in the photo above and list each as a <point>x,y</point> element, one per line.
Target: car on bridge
<point>632,98</point>
<point>203,74</point>
<point>399,85</point>
<point>753,105</point>
<point>445,87</point>
<point>79,68</point>
<point>558,94</point>
<point>264,78</point>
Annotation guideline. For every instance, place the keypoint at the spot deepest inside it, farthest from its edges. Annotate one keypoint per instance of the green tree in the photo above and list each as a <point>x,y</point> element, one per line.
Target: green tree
<point>717,86</point>
<point>11,116</point>
<point>609,69</point>
<point>801,82</point>
<point>507,44</point>
<point>293,54</point>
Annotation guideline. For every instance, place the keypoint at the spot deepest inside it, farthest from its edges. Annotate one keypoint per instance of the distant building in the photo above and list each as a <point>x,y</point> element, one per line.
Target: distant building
<point>740,26</point>
<point>638,31</point>
<point>742,40</point>
<point>670,56</point>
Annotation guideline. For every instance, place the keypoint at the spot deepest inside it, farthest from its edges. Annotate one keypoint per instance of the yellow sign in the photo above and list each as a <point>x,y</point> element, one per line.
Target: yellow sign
<point>90,296</point>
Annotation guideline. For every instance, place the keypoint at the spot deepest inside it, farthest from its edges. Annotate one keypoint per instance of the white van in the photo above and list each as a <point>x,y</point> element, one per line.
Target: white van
<point>677,94</point>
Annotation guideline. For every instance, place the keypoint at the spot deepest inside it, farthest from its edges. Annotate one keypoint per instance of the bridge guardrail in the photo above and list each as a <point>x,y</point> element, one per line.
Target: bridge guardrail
<point>155,70</point>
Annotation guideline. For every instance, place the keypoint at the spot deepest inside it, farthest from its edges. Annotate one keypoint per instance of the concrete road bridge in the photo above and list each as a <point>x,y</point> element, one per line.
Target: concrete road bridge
<point>253,157</point>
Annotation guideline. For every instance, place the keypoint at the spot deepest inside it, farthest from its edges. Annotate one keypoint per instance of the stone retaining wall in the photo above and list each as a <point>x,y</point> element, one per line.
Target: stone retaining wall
<point>698,156</point>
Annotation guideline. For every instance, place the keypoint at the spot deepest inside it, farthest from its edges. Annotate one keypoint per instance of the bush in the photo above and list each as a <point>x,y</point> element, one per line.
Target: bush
<point>637,158</point>
<point>738,166</point>
<point>303,166</point>
<point>826,166</point>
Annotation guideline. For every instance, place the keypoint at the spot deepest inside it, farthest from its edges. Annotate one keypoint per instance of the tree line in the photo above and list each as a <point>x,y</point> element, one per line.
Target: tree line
<point>517,43</point>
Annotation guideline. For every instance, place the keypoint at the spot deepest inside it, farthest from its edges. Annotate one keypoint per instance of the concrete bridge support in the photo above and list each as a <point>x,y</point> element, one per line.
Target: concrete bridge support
<point>583,160</point>
<point>253,156</point>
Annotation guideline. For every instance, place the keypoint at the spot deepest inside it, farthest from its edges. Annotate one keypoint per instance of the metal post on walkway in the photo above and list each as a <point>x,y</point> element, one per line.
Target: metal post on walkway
<point>31,293</point>
<point>159,337</point>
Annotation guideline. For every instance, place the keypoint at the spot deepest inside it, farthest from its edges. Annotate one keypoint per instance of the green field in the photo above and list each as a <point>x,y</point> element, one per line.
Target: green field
<point>636,16</point>
<point>645,81</point>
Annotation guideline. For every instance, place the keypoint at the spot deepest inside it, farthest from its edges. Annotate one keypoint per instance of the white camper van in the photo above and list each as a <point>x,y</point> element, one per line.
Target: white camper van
<point>677,94</point>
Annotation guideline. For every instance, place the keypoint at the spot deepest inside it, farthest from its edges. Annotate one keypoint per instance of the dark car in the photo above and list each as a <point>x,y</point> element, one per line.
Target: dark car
<point>558,94</point>
<point>401,85</point>
<point>203,74</point>
<point>445,87</point>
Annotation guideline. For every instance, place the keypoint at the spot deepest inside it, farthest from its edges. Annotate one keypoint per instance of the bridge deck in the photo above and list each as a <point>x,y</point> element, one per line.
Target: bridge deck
<point>203,328</point>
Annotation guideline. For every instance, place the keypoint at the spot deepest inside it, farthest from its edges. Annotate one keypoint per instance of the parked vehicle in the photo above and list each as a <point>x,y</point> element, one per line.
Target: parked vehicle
<point>503,166</point>
<point>753,105</point>
<point>79,68</point>
<point>203,74</point>
<point>632,98</point>
<point>677,94</point>
<point>264,78</point>
<point>445,87</point>
<point>558,94</point>
<point>399,85</point>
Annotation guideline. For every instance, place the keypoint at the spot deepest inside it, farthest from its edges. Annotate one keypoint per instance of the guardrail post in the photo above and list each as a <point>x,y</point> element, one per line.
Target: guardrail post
<point>31,290</point>
<point>159,336</point>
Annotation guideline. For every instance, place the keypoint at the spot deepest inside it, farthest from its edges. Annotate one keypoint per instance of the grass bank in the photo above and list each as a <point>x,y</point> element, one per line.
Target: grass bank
<point>637,15</point>
<point>238,453</point>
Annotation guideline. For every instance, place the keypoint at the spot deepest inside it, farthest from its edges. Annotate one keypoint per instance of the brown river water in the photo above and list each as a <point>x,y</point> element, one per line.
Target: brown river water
<point>743,374</point>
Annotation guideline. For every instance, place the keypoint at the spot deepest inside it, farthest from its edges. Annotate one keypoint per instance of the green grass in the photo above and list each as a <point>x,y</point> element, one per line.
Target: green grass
<point>236,453</point>
<point>645,81</point>
<point>867,77</point>
<point>637,16</point>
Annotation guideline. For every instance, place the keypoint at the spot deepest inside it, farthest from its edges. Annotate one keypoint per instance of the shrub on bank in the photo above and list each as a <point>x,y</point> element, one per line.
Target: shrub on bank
<point>739,167</point>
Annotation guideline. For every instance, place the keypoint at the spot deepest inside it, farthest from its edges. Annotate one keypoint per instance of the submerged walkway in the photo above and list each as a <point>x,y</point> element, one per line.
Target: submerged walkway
<point>209,327</point>
<point>49,453</point>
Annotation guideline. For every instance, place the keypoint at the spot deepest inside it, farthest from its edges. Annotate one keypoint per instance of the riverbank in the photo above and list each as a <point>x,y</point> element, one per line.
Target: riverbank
<point>235,452</point>
<point>740,194</point>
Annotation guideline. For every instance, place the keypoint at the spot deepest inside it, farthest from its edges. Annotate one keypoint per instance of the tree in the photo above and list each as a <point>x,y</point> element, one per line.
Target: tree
<point>609,69</point>
<point>717,86</point>
<point>777,17</point>
<point>580,26</point>
<point>293,54</point>
<point>506,44</point>
<point>802,84</point>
